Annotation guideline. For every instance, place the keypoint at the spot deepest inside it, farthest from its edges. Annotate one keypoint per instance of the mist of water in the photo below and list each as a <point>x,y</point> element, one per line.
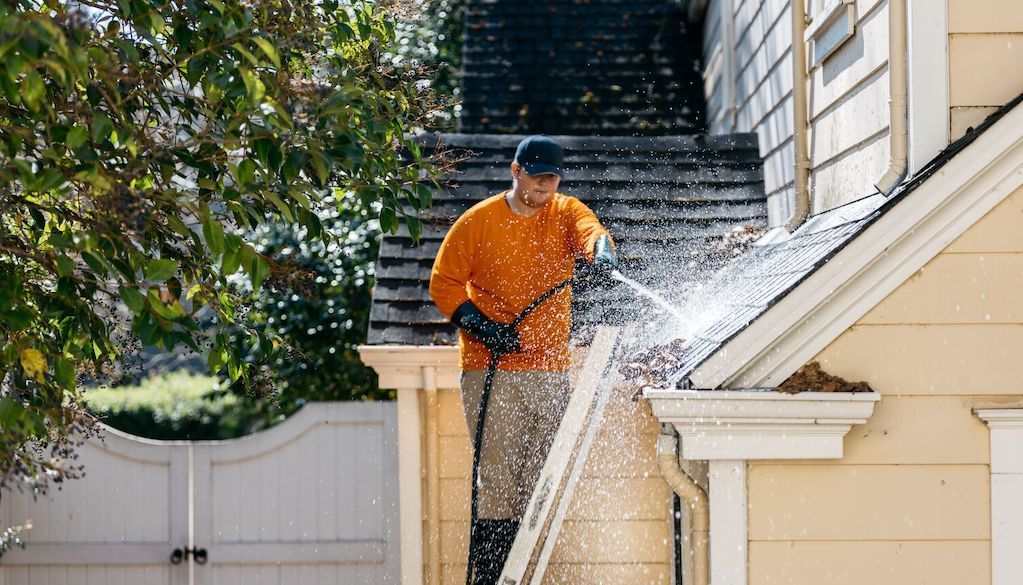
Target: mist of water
<point>681,319</point>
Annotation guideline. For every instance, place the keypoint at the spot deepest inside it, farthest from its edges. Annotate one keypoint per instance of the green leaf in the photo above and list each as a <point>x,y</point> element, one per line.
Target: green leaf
<point>76,137</point>
<point>171,311</point>
<point>214,234</point>
<point>64,373</point>
<point>232,259</point>
<point>160,269</point>
<point>65,266</point>
<point>102,127</point>
<point>33,89</point>
<point>50,178</point>
<point>98,263</point>
<point>269,49</point>
<point>245,53</point>
<point>321,165</point>
<point>217,359</point>
<point>388,220</point>
<point>18,318</point>
<point>133,299</point>
<point>10,412</point>
<point>281,206</point>
<point>414,227</point>
<point>293,163</point>
<point>253,86</point>
<point>425,195</point>
<point>61,240</point>
<point>259,270</point>
<point>246,172</point>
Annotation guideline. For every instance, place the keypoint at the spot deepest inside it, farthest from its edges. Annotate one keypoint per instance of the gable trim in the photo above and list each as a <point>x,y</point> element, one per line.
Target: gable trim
<point>863,273</point>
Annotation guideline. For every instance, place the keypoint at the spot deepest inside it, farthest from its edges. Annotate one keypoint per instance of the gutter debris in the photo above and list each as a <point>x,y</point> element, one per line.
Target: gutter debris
<point>812,378</point>
<point>652,368</point>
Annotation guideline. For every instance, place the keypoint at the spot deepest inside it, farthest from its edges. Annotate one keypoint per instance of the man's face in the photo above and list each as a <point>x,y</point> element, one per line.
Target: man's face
<point>534,190</point>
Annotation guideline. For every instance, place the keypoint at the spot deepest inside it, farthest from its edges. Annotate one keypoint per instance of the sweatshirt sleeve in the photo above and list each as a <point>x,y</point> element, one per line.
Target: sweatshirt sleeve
<point>584,230</point>
<point>452,268</point>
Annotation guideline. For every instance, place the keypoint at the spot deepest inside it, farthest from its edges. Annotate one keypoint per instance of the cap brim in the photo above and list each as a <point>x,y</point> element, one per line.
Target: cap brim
<point>541,168</point>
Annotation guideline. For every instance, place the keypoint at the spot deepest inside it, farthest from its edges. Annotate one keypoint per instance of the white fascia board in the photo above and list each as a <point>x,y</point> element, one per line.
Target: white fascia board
<point>870,267</point>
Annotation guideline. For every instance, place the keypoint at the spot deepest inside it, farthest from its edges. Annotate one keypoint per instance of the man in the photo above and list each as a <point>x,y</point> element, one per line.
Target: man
<point>498,258</point>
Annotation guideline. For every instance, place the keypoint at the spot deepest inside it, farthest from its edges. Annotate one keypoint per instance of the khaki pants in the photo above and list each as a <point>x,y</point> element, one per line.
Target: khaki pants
<point>523,414</point>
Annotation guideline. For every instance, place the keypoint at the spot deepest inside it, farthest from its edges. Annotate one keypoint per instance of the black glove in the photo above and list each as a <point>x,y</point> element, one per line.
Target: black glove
<point>500,339</point>
<point>605,259</point>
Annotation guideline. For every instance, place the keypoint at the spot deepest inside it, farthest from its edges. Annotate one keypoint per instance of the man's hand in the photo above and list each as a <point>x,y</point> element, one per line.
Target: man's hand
<point>605,259</point>
<point>499,338</point>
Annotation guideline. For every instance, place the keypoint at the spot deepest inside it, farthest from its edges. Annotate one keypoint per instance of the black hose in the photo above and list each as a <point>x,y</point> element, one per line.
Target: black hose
<point>477,443</point>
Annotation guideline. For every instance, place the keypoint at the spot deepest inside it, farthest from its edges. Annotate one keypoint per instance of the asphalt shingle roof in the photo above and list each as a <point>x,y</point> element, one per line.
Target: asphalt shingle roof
<point>662,198</point>
<point>581,67</point>
<point>752,285</point>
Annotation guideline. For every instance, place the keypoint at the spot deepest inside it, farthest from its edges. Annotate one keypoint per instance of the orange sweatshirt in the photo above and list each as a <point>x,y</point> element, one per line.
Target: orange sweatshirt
<point>502,261</point>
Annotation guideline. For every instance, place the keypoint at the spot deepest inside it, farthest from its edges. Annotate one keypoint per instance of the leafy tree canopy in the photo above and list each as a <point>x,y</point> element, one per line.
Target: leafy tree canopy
<point>140,140</point>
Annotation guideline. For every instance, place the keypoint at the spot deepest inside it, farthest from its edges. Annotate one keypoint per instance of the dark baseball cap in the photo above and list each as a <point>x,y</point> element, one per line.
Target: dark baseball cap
<point>540,154</point>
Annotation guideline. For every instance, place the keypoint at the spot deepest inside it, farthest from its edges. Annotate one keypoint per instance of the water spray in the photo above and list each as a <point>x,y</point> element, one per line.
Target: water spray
<point>488,383</point>
<point>656,298</point>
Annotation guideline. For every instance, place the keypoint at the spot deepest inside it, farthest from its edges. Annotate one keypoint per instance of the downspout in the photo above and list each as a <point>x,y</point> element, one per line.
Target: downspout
<point>693,495</point>
<point>432,473</point>
<point>898,81</point>
<point>800,119</point>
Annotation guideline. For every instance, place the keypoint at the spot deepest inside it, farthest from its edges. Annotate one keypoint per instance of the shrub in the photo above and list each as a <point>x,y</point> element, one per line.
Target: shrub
<point>171,407</point>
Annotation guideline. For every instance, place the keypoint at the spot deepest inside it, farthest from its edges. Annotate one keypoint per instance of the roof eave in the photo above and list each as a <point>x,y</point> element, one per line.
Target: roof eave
<point>886,254</point>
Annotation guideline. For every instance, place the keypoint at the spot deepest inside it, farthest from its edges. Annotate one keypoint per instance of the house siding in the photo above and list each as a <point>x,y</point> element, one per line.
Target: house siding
<point>848,100</point>
<point>619,518</point>
<point>759,66</point>
<point>985,49</point>
<point>912,493</point>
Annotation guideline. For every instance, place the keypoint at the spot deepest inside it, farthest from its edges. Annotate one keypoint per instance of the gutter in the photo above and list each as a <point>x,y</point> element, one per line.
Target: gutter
<point>898,79</point>
<point>800,120</point>
<point>693,495</point>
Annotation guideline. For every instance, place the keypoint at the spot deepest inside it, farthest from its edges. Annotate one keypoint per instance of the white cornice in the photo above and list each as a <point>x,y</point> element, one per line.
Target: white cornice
<point>723,425</point>
<point>404,366</point>
<point>406,355</point>
<point>1005,418</point>
<point>856,279</point>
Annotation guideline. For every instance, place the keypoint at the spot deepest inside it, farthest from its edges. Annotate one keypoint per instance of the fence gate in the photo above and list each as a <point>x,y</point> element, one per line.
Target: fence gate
<point>310,501</point>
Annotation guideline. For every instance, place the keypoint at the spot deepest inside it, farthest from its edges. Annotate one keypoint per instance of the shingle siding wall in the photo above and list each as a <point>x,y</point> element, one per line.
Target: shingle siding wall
<point>848,99</point>
<point>749,85</point>
<point>581,67</point>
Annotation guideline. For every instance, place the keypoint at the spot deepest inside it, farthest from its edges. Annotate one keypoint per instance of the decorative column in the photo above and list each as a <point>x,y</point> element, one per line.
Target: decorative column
<point>1006,425</point>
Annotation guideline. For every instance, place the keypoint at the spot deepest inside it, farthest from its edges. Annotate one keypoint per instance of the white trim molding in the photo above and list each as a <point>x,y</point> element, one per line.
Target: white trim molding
<point>1006,428</point>
<point>728,428</point>
<point>729,544</point>
<point>929,113</point>
<point>414,370</point>
<point>401,366</point>
<point>761,424</point>
<point>888,253</point>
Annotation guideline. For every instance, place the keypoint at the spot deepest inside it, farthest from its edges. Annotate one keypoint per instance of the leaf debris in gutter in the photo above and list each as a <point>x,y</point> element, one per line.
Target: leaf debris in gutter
<point>813,378</point>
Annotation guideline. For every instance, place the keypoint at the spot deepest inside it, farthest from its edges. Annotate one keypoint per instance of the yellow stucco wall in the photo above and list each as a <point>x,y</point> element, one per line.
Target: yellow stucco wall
<point>985,51</point>
<point>618,525</point>
<point>910,501</point>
